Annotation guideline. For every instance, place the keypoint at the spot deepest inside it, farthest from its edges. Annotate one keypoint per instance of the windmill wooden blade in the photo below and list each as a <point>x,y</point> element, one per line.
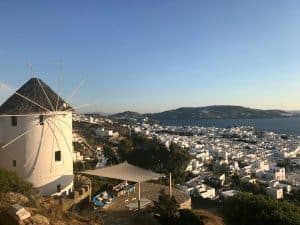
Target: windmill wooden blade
<point>37,149</point>
<point>46,94</point>
<point>69,148</point>
<point>34,150</point>
<point>56,139</point>
<point>28,115</point>
<point>21,135</point>
<point>82,106</point>
<point>39,98</point>
<point>28,99</point>
<point>68,125</point>
<point>74,92</point>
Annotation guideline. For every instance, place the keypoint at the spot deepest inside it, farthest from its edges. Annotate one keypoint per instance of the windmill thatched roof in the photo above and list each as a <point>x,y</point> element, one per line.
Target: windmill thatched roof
<point>34,90</point>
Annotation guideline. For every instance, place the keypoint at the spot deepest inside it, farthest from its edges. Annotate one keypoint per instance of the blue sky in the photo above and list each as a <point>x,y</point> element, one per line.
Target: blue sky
<point>149,56</point>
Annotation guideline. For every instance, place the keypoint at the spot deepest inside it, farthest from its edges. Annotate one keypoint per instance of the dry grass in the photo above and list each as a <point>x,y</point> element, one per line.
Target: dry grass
<point>208,217</point>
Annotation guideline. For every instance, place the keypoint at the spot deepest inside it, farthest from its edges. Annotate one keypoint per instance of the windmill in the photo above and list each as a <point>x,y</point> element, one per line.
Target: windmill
<point>36,137</point>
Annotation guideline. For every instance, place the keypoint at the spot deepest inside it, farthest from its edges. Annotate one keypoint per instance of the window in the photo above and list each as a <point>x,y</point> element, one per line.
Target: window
<point>14,163</point>
<point>14,121</point>
<point>57,155</point>
<point>58,188</point>
<point>41,119</point>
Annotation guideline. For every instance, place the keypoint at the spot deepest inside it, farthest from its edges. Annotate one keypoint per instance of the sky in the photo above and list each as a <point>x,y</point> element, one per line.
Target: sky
<point>151,56</point>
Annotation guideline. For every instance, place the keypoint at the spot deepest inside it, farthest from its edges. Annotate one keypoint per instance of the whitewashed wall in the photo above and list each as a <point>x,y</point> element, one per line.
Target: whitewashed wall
<point>34,152</point>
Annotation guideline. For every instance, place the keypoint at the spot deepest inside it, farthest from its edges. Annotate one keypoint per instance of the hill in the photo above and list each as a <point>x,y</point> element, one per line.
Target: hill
<point>217,112</point>
<point>208,112</point>
<point>127,115</point>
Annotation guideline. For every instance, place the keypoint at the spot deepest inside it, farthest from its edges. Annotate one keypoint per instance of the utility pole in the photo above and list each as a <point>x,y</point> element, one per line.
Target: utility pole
<point>90,190</point>
<point>170,184</point>
<point>139,195</point>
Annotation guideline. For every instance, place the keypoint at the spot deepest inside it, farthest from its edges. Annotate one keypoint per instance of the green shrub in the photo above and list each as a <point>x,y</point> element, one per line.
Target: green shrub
<point>187,217</point>
<point>249,209</point>
<point>11,182</point>
<point>168,212</point>
<point>166,208</point>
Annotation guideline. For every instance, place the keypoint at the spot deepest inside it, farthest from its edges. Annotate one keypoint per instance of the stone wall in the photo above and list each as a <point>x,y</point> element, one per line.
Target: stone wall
<point>81,192</point>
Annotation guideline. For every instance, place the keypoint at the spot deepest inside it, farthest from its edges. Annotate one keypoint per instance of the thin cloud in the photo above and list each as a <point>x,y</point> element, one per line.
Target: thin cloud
<point>5,91</point>
<point>5,87</point>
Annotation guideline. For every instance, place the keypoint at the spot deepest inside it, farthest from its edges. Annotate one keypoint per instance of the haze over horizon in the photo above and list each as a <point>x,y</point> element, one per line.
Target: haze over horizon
<point>109,113</point>
<point>147,56</point>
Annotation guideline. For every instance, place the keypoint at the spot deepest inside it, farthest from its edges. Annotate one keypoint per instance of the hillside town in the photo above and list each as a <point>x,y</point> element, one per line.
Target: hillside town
<point>112,166</point>
<point>267,159</point>
<point>150,112</point>
<point>255,156</point>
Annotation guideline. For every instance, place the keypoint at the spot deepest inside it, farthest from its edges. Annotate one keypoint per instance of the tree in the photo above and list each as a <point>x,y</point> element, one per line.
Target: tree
<point>125,147</point>
<point>296,194</point>
<point>151,154</point>
<point>177,162</point>
<point>187,217</point>
<point>294,197</point>
<point>110,155</point>
<point>166,208</point>
<point>169,213</point>
<point>249,209</point>
<point>241,185</point>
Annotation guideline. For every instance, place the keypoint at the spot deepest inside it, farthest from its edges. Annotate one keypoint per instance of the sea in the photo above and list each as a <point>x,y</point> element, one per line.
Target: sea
<point>290,126</point>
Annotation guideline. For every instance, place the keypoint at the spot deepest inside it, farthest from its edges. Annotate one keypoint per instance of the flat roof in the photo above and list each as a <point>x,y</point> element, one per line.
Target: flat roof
<point>125,171</point>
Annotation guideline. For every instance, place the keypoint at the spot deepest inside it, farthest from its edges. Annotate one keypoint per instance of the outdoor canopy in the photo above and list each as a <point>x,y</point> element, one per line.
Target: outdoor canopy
<point>125,171</point>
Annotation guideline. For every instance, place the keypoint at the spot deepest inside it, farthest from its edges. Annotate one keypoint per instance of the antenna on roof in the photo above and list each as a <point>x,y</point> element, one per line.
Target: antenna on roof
<point>61,81</point>
<point>74,92</point>
<point>30,67</point>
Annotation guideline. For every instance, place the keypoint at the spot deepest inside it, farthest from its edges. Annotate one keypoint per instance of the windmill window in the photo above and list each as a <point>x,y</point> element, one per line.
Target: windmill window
<point>14,121</point>
<point>58,156</point>
<point>14,163</point>
<point>41,119</point>
<point>58,188</point>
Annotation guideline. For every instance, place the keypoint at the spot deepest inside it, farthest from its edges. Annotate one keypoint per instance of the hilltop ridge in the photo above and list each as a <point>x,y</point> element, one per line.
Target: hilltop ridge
<point>207,112</point>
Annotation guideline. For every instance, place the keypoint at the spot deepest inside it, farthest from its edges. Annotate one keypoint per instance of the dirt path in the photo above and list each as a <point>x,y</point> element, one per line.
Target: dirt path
<point>209,218</point>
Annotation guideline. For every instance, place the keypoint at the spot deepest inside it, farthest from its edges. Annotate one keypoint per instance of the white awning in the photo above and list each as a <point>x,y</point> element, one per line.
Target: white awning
<point>125,171</point>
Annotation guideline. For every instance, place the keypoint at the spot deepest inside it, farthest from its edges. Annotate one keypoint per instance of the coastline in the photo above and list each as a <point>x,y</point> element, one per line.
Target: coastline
<point>290,126</point>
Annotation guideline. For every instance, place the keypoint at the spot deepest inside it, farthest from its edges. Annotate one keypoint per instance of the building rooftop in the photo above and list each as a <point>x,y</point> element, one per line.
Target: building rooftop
<point>34,96</point>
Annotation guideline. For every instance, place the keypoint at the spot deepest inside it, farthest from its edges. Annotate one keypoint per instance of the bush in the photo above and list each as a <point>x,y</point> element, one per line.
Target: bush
<point>168,212</point>
<point>244,186</point>
<point>187,217</point>
<point>11,182</point>
<point>249,209</point>
<point>166,208</point>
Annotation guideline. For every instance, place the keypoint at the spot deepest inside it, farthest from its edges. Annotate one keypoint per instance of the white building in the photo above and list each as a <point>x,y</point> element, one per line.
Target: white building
<point>206,192</point>
<point>77,157</point>
<point>261,165</point>
<point>278,173</point>
<point>275,192</point>
<point>36,138</point>
<point>101,132</point>
<point>228,194</point>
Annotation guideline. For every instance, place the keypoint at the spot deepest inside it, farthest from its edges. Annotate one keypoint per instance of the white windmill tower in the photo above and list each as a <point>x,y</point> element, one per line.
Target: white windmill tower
<point>36,138</point>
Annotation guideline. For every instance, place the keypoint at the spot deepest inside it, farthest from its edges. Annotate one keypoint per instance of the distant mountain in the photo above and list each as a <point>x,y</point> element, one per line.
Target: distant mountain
<point>127,115</point>
<point>218,112</point>
<point>295,112</point>
<point>208,112</point>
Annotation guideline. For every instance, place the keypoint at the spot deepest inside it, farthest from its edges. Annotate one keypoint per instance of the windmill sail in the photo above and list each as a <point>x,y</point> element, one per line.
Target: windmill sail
<point>34,91</point>
<point>36,138</point>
